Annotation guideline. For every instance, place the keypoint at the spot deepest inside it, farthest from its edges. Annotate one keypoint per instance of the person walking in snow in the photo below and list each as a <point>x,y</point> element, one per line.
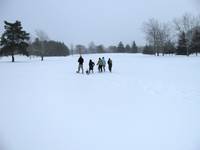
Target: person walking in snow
<point>110,65</point>
<point>103,64</point>
<point>91,66</point>
<point>100,64</point>
<point>80,64</point>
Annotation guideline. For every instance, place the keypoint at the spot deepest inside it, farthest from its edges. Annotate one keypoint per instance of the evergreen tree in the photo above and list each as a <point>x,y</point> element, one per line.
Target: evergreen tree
<point>128,48</point>
<point>148,50</point>
<point>182,48</point>
<point>169,47</point>
<point>120,48</point>
<point>195,43</point>
<point>134,47</point>
<point>14,40</point>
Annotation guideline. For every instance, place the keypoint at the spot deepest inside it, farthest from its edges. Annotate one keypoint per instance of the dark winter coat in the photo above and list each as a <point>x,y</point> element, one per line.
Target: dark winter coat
<point>80,60</point>
<point>110,62</point>
<point>91,65</point>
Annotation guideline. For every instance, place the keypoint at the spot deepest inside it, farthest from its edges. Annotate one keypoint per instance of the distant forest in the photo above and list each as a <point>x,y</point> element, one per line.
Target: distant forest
<point>178,37</point>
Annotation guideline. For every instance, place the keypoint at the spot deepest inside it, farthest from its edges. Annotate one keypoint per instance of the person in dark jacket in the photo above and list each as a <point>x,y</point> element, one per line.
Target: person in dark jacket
<point>110,65</point>
<point>91,66</point>
<point>80,64</point>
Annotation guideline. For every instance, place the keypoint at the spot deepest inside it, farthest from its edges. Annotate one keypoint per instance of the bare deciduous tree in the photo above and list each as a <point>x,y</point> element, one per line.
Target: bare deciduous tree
<point>92,48</point>
<point>157,34</point>
<point>42,36</point>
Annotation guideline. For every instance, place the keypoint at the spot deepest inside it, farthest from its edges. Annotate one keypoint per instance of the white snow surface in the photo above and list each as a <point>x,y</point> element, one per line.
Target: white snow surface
<point>146,103</point>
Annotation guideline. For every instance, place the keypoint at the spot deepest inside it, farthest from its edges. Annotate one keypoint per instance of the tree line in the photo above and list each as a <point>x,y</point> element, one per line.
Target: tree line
<point>180,37</point>
<point>92,48</point>
<point>15,41</point>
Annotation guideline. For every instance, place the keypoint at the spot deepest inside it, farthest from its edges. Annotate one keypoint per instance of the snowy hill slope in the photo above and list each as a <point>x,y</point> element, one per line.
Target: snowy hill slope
<point>147,103</point>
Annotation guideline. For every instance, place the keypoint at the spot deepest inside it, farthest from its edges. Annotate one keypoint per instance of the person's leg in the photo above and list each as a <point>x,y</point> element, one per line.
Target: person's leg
<point>99,68</point>
<point>82,69</point>
<point>79,67</point>
<point>91,70</point>
<point>109,68</point>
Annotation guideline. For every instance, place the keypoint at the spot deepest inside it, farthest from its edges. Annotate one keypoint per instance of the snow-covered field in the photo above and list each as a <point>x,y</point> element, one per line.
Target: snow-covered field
<point>147,103</point>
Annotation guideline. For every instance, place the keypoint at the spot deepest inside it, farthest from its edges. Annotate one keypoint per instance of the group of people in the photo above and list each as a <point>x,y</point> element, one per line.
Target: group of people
<point>101,65</point>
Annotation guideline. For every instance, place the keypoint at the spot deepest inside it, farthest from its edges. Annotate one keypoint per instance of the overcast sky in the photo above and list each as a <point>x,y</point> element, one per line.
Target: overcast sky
<point>101,21</point>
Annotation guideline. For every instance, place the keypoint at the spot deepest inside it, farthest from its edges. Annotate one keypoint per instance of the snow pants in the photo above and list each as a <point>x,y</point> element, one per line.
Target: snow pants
<point>80,67</point>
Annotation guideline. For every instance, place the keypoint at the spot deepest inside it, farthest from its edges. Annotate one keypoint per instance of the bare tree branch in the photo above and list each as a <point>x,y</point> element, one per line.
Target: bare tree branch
<point>42,35</point>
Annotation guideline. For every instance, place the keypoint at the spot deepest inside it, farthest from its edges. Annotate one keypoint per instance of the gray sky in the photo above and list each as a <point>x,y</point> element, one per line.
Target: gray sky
<point>101,21</point>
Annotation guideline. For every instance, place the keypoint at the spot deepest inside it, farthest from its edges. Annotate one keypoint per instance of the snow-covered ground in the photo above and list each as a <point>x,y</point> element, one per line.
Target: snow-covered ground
<point>147,103</point>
